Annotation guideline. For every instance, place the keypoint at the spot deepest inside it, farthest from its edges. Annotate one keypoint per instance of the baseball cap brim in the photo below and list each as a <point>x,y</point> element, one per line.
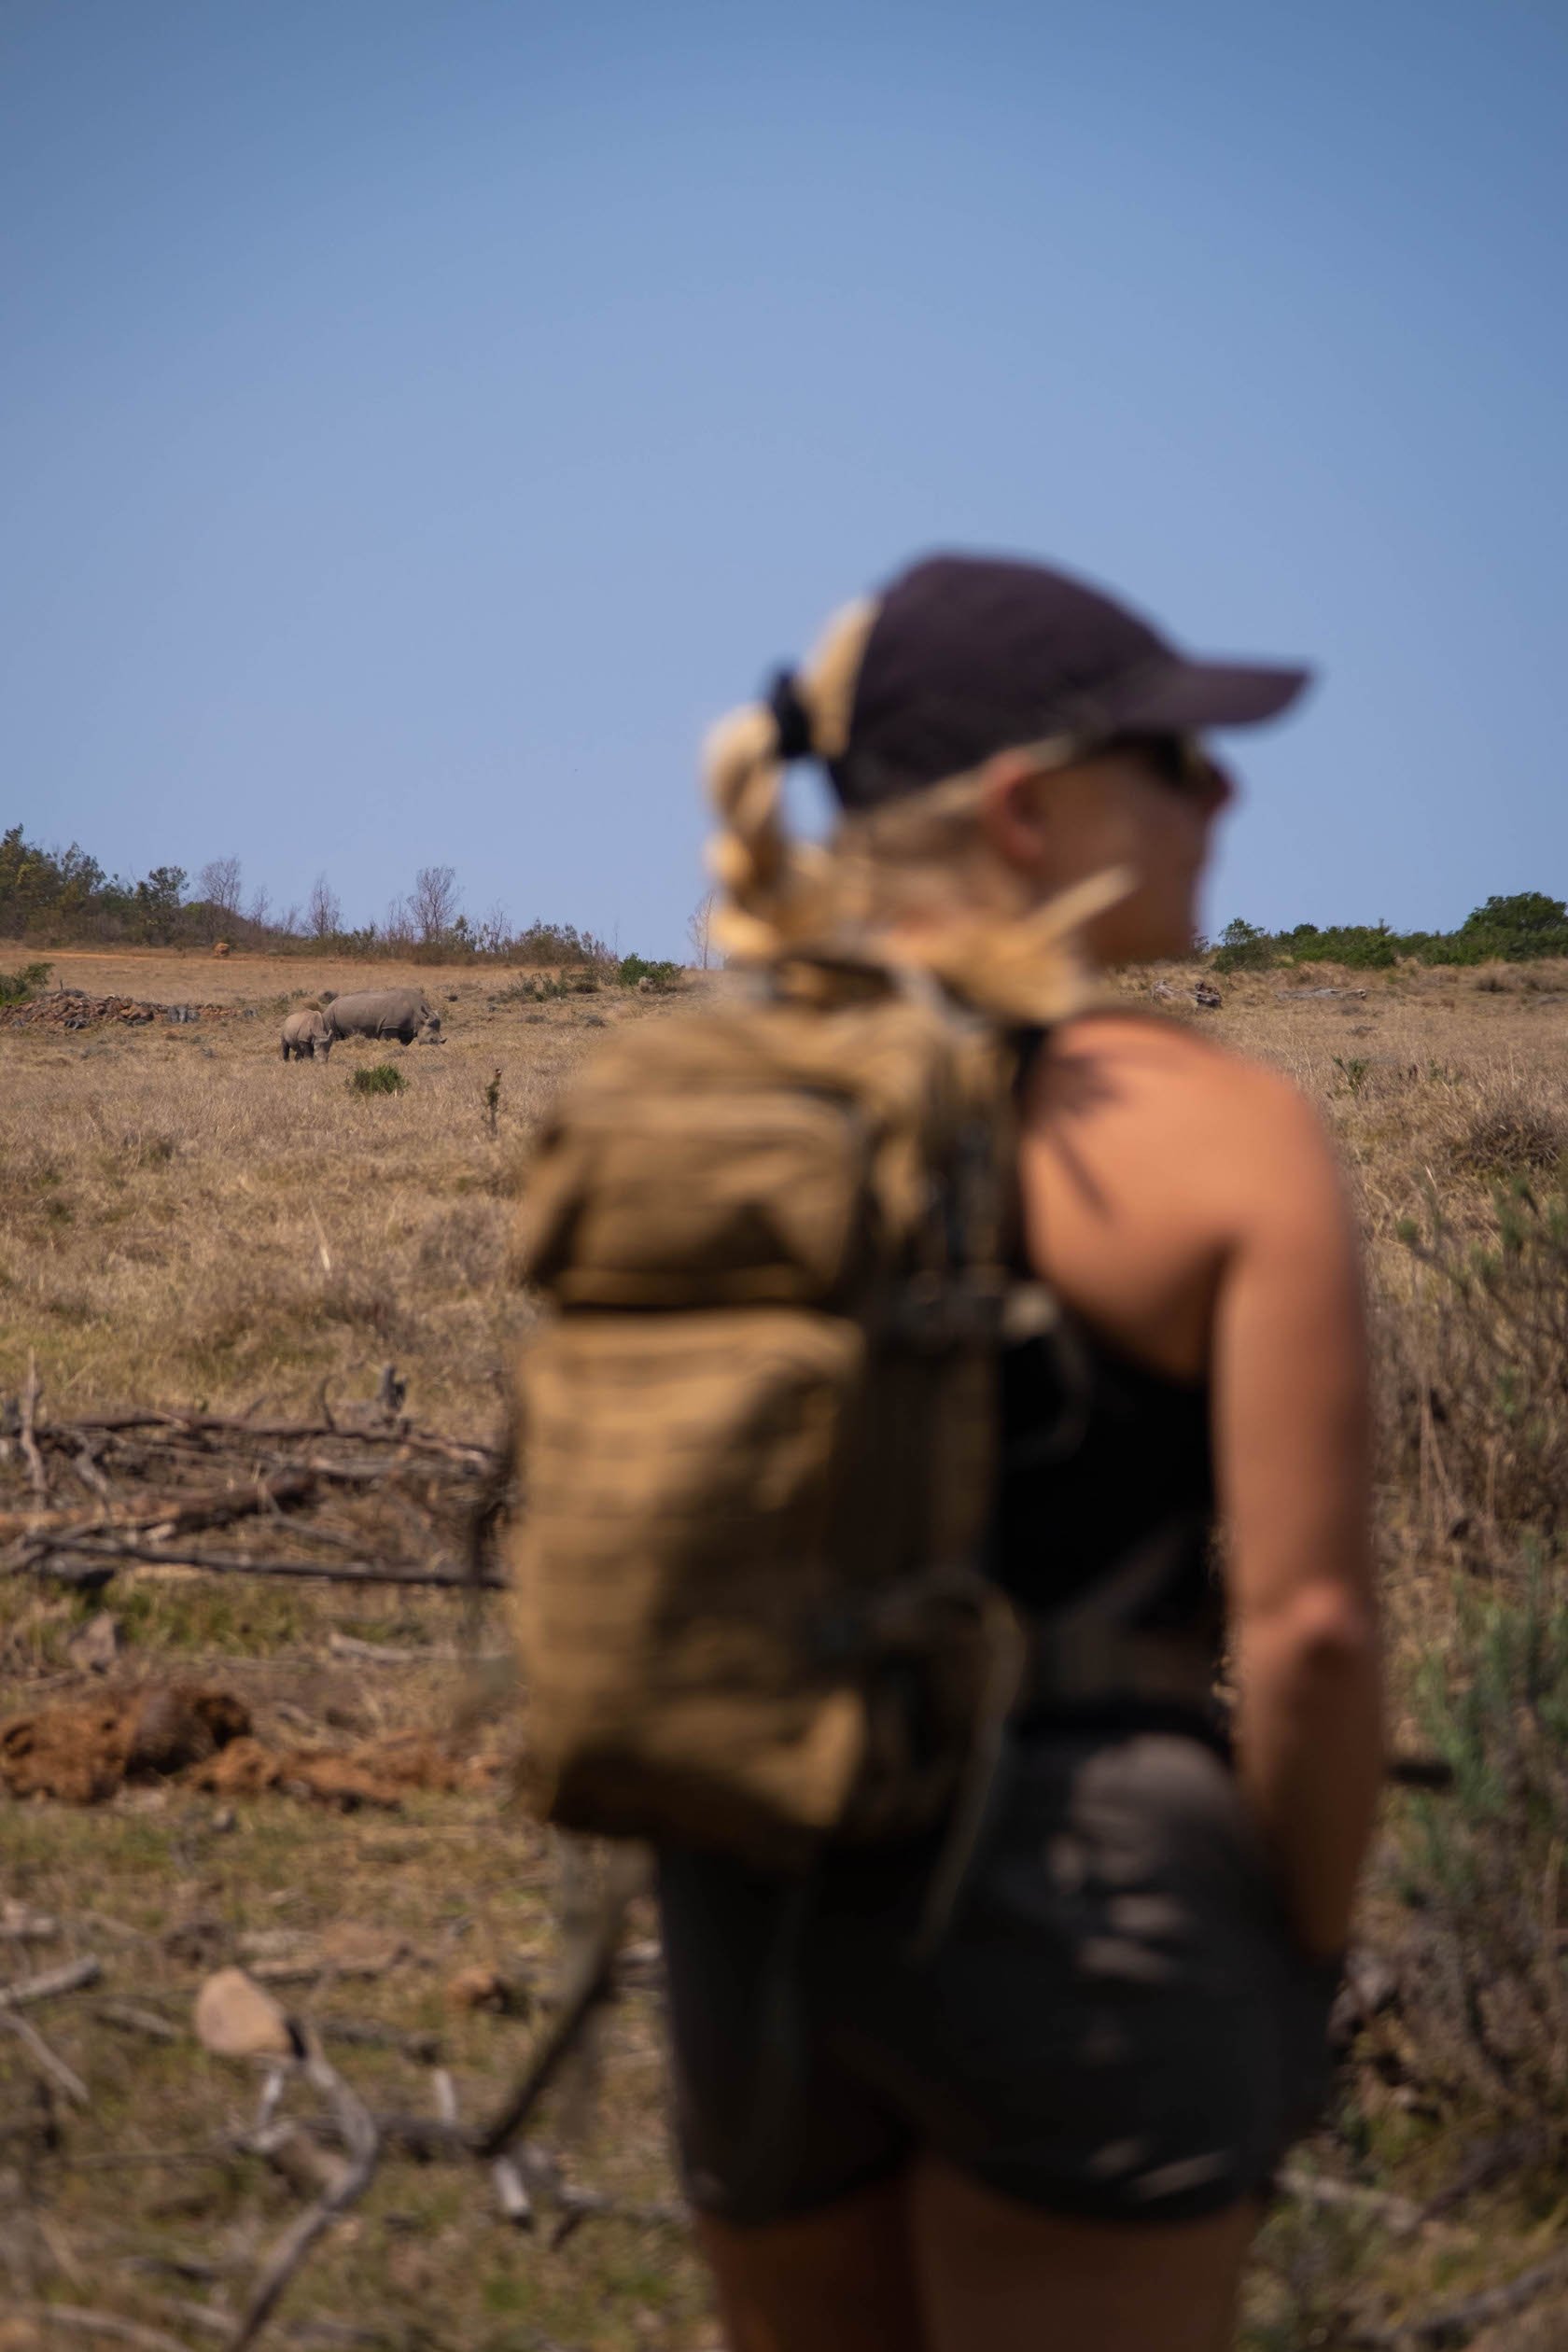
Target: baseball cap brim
<point>1186,697</point>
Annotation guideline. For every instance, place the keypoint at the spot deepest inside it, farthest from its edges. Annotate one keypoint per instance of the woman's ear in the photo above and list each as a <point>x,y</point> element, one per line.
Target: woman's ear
<point>1013,810</point>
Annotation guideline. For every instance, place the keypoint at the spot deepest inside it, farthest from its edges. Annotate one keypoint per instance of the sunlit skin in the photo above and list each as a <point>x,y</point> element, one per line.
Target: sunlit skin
<point>1187,1205</point>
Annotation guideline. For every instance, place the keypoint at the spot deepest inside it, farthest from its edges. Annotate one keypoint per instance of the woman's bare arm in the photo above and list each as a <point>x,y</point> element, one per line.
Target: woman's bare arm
<point>1189,1206</point>
<point>1292,1449</point>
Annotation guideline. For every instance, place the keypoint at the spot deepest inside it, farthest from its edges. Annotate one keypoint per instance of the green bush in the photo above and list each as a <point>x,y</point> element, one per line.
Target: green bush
<point>1503,931</point>
<point>378,1079</point>
<point>1362,946</point>
<point>560,943</point>
<point>1243,947</point>
<point>1512,929</point>
<point>660,972</point>
<point>1483,2003</point>
<point>17,986</point>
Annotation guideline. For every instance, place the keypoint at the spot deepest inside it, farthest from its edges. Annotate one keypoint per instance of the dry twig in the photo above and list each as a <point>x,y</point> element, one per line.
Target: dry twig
<point>51,1982</point>
<point>27,1433</point>
<point>48,2062</point>
<point>132,2019</point>
<point>363,2142</point>
<point>391,1572</point>
<point>103,2323</point>
<point>415,1440</point>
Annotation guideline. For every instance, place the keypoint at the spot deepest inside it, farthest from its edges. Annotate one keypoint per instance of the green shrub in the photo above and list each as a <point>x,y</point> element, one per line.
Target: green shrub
<point>1360,946</point>
<point>378,1079</point>
<point>17,986</point>
<point>1503,931</point>
<point>1512,929</point>
<point>560,943</point>
<point>659,973</point>
<point>1483,2004</point>
<point>1243,947</point>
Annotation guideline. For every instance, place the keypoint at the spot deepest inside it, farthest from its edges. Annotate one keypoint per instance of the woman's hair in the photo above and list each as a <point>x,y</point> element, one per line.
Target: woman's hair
<point>904,703</point>
<point>782,891</point>
<point>915,859</point>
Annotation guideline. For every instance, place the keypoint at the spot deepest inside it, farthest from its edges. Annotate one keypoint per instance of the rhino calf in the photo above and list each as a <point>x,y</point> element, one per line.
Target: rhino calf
<point>305,1035</point>
<point>404,1012</point>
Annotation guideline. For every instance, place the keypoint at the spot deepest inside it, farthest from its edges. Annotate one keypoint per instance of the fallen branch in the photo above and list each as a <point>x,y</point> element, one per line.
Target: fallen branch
<point>181,1514</point>
<point>101,2323</point>
<point>48,1986</point>
<point>382,1654</point>
<point>390,1572</point>
<point>54,2068</point>
<point>577,2206</point>
<point>363,2141</point>
<point>235,1424</point>
<point>133,2020</point>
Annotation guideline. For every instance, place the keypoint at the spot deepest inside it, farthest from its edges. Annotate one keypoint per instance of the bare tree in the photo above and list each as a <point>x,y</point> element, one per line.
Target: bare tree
<point>324,912</point>
<point>397,929</point>
<point>433,906</point>
<point>699,928</point>
<point>219,883</point>
<point>260,911</point>
<point>493,935</point>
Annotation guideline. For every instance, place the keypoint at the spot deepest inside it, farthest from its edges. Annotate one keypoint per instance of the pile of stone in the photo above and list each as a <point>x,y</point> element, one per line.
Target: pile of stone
<point>73,1009</point>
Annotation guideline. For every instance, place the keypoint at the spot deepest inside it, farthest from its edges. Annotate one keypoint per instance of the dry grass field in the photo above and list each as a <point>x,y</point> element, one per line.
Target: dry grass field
<point>188,1224</point>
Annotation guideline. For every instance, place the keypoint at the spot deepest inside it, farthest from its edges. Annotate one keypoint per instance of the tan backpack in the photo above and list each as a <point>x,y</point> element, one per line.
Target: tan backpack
<point>759,1422</point>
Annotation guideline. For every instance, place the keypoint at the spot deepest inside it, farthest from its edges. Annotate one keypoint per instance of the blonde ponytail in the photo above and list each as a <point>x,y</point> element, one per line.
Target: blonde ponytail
<point>781,890</point>
<point>904,864</point>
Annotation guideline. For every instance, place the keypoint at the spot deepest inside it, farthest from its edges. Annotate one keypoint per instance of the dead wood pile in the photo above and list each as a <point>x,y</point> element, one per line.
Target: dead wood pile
<point>360,1496</point>
<point>73,1009</point>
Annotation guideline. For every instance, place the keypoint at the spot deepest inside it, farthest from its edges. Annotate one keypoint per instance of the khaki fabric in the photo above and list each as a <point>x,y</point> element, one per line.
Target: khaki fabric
<point>758,1421</point>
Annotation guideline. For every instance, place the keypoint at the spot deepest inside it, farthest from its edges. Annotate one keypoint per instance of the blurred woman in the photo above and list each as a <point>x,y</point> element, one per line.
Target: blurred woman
<point>1059,2128</point>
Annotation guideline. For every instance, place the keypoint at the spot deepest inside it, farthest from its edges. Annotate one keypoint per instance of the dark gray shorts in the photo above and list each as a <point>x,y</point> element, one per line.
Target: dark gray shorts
<point>1115,2024</point>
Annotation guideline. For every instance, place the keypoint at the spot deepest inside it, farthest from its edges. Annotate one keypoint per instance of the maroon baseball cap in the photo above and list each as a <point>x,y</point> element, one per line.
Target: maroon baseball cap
<point>970,653</point>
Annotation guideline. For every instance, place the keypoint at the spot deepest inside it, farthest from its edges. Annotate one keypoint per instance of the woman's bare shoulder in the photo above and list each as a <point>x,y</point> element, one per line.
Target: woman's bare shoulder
<point>1137,1041</point>
<point>1159,1070</point>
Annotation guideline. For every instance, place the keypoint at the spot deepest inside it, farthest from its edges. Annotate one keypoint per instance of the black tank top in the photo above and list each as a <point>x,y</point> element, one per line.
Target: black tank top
<point>1101,1456</point>
<point>1103,1460</point>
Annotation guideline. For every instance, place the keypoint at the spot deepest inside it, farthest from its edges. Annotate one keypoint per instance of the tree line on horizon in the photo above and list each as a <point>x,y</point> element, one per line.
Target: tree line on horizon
<point>1509,929</point>
<point>65,898</point>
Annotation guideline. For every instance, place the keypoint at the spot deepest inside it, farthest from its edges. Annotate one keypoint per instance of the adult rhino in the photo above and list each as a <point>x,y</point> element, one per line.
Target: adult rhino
<point>404,1012</point>
<point>306,1034</point>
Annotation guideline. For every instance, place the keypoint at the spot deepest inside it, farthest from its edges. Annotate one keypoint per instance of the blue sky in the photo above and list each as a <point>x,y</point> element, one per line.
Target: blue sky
<point>419,421</point>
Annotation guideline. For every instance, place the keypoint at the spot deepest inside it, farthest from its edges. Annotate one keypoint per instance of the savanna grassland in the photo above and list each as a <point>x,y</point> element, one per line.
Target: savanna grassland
<point>187,1224</point>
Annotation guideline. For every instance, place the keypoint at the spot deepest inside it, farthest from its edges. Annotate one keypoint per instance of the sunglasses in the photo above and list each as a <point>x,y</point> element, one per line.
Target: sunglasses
<point>1179,761</point>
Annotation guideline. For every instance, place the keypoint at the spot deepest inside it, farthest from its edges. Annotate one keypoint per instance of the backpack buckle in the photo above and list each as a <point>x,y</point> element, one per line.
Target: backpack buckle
<point>981,1307</point>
